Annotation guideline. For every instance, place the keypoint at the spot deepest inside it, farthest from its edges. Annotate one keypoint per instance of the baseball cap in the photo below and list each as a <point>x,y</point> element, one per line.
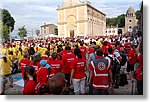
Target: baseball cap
<point>44,64</point>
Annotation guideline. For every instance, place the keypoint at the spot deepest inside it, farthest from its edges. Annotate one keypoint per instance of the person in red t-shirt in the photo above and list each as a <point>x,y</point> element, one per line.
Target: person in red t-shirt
<point>83,50</point>
<point>132,58</point>
<point>43,74</point>
<point>105,48</point>
<point>23,64</point>
<point>36,61</point>
<point>127,47</point>
<point>56,64</point>
<point>29,88</point>
<point>67,60</point>
<point>78,74</point>
<point>139,72</point>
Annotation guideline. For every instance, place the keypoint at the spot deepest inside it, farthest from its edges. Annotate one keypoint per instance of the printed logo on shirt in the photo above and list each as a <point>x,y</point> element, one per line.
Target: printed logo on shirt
<point>80,63</point>
<point>55,65</point>
<point>70,59</point>
<point>101,66</point>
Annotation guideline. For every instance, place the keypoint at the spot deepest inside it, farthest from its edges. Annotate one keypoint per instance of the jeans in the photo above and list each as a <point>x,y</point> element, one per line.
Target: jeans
<point>79,86</point>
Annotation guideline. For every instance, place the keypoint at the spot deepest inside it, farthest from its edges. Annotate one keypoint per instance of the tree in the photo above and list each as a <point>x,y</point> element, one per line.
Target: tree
<point>121,20</point>
<point>7,24</point>
<point>56,31</point>
<point>5,32</point>
<point>22,31</point>
<point>37,32</point>
<point>137,13</point>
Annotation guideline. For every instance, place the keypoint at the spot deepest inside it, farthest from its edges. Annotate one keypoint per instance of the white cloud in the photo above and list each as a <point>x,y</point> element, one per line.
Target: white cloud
<point>33,13</point>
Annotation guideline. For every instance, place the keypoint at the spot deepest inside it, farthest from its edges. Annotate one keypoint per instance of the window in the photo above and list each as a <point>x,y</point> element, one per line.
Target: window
<point>88,10</point>
<point>113,31</point>
<point>130,27</point>
<point>106,31</point>
<point>130,20</point>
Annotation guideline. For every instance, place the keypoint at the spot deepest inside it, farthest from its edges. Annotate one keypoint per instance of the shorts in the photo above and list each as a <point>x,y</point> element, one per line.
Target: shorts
<point>130,67</point>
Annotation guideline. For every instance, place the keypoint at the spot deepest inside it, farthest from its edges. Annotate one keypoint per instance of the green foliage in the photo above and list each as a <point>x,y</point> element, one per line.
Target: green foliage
<point>120,21</point>
<point>37,32</point>
<point>22,32</point>
<point>5,32</point>
<point>7,19</point>
<point>137,13</point>
<point>6,24</point>
<point>56,31</point>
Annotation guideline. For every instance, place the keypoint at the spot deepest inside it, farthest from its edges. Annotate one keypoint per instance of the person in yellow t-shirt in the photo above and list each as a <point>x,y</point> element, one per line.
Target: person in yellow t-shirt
<point>20,55</point>
<point>5,71</point>
<point>98,43</point>
<point>5,65</point>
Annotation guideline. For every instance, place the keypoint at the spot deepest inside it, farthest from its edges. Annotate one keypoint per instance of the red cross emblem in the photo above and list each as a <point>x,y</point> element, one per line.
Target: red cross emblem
<point>101,66</point>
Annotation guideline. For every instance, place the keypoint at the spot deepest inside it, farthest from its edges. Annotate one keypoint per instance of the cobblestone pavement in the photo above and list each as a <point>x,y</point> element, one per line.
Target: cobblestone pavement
<point>129,89</point>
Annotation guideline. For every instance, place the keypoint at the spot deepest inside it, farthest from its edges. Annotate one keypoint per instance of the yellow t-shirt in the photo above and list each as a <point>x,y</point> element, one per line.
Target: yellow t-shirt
<point>99,43</point>
<point>20,56</point>
<point>5,50</point>
<point>5,67</point>
<point>43,50</point>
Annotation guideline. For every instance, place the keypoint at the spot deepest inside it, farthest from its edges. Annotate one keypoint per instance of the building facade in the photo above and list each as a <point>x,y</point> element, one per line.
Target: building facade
<point>47,29</point>
<point>76,17</point>
<point>130,20</point>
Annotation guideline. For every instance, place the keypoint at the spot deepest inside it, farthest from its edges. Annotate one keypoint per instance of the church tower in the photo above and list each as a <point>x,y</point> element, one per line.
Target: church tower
<point>130,20</point>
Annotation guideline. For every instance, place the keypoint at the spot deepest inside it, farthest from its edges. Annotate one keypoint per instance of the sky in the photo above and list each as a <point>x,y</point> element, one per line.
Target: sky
<point>34,13</point>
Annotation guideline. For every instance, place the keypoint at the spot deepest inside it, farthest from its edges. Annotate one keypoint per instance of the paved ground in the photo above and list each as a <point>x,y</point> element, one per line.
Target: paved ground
<point>128,89</point>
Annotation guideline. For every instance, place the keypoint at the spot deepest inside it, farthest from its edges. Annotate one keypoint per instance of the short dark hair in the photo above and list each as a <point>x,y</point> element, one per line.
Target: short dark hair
<point>54,55</point>
<point>99,52</point>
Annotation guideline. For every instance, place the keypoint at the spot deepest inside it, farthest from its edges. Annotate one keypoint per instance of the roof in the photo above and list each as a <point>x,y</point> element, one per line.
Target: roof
<point>46,25</point>
<point>130,10</point>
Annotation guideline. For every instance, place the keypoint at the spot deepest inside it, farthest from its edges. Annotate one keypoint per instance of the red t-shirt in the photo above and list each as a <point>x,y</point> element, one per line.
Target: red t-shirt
<point>67,60</point>
<point>105,49</point>
<point>45,58</point>
<point>139,71</point>
<point>36,66</point>
<point>29,88</point>
<point>83,51</point>
<point>79,66</point>
<point>23,64</point>
<point>63,52</point>
<point>132,54</point>
<point>127,47</point>
<point>42,74</point>
<point>90,50</point>
<point>57,65</point>
<point>118,48</point>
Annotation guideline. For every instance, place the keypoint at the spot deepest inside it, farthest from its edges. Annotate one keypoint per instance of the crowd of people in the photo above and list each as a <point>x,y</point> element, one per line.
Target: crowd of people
<point>63,66</point>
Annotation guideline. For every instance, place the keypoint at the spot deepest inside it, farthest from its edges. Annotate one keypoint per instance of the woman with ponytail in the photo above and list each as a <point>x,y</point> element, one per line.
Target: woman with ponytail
<point>78,73</point>
<point>29,88</point>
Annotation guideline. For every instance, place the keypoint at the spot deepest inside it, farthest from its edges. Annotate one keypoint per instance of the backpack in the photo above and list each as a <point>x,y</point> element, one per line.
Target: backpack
<point>115,66</point>
<point>124,59</point>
